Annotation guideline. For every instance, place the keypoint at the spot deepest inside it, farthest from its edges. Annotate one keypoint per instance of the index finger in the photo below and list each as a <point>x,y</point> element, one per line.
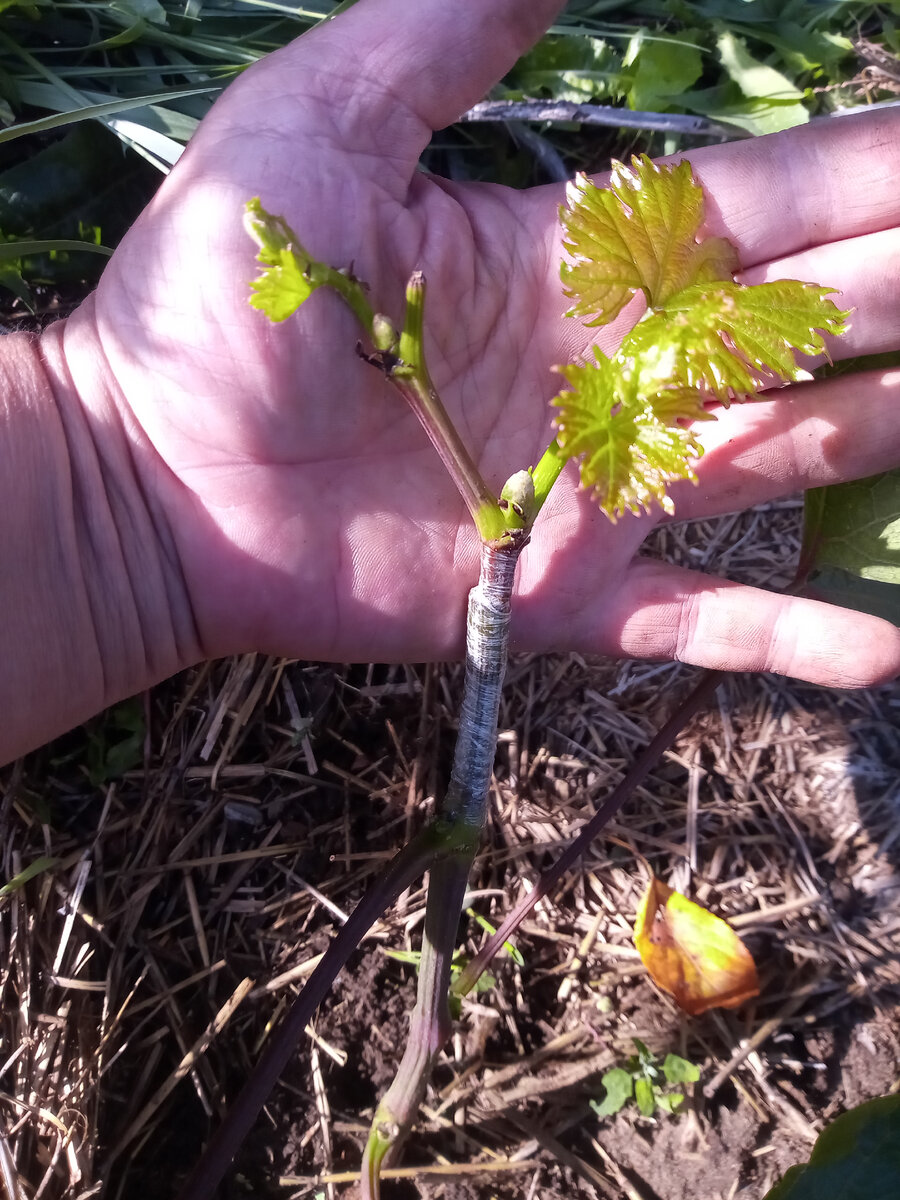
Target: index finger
<point>833,179</point>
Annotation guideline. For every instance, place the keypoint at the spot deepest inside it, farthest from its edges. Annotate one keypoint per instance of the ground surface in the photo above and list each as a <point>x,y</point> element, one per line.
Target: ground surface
<point>213,832</point>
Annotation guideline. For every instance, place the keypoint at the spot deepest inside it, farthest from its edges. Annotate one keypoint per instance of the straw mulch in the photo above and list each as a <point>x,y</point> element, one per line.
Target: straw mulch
<point>194,849</point>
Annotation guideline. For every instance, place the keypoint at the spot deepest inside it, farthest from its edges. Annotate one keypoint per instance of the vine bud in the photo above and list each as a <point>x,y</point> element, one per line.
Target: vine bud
<point>517,496</point>
<point>384,335</point>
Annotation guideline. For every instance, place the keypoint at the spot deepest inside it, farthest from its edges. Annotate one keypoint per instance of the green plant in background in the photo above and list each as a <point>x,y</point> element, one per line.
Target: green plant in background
<point>646,1081</point>
<point>856,1158</point>
<point>115,741</point>
<point>141,74</point>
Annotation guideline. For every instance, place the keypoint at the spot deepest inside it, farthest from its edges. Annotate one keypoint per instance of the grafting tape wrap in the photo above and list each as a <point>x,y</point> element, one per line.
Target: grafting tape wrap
<point>487,640</point>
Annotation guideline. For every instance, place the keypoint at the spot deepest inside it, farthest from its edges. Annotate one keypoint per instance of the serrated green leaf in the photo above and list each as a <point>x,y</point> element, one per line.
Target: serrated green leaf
<point>856,1158</point>
<point>639,234</point>
<point>619,1087</point>
<point>281,288</point>
<point>851,544</point>
<point>644,1097</point>
<point>680,1070</point>
<point>666,347</point>
<point>285,283</point>
<point>628,455</point>
<point>703,337</point>
<point>764,324</point>
<point>292,274</point>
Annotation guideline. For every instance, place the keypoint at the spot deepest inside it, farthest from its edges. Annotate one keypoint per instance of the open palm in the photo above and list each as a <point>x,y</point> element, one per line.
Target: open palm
<point>307,511</point>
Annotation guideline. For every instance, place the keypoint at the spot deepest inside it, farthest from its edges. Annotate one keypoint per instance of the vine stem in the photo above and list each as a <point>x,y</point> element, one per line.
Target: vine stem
<point>406,867</point>
<point>465,810</point>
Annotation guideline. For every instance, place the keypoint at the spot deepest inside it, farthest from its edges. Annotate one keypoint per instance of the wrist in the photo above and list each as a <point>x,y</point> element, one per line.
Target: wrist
<point>92,597</point>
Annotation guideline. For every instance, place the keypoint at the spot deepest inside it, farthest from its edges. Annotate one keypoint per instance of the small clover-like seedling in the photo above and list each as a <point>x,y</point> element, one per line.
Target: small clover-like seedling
<point>646,1082</point>
<point>703,338</point>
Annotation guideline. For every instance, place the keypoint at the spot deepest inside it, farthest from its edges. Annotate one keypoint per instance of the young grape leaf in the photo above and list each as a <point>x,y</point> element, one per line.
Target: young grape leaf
<point>693,955</point>
<point>764,324</point>
<point>703,338</point>
<point>628,455</point>
<point>286,283</point>
<point>639,234</point>
<point>669,1102</point>
<point>851,544</point>
<point>619,1085</point>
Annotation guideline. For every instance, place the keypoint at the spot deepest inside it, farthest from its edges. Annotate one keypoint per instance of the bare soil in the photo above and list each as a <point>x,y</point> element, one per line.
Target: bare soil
<point>215,831</point>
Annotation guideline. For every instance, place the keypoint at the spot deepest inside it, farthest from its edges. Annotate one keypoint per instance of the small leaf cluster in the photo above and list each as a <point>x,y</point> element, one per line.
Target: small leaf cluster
<point>645,1082</point>
<point>703,339</point>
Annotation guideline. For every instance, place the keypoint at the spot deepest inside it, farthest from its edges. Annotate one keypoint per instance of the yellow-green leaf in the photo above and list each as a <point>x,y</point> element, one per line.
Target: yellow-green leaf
<point>639,234</point>
<point>691,953</point>
<point>628,454</point>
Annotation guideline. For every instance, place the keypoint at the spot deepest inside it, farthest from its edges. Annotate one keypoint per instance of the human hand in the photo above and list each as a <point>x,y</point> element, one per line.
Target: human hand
<point>307,512</point>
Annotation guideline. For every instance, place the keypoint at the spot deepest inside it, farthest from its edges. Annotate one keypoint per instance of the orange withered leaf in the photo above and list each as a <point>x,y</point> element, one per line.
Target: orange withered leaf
<point>693,955</point>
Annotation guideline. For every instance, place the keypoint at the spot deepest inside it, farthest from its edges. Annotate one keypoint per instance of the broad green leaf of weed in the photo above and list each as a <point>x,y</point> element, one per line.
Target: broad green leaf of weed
<point>11,277</point>
<point>755,115</point>
<point>644,1097</point>
<point>638,234</point>
<point>679,1070</point>
<point>573,69</point>
<point>804,49</point>
<point>646,1059</point>
<point>769,88</point>
<point>669,1102</point>
<point>856,1158</point>
<point>661,69</point>
<point>116,741</point>
<point>619,1086</point>
<point>851,544</point>
<point>140,10</point>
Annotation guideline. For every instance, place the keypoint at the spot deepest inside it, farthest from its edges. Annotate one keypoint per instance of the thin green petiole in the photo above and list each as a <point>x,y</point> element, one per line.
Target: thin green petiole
<point>411,377</point>
<point>546,473</point>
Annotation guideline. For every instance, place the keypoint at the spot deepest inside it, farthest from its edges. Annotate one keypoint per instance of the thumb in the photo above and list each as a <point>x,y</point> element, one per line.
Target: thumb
<point>402,69</point>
